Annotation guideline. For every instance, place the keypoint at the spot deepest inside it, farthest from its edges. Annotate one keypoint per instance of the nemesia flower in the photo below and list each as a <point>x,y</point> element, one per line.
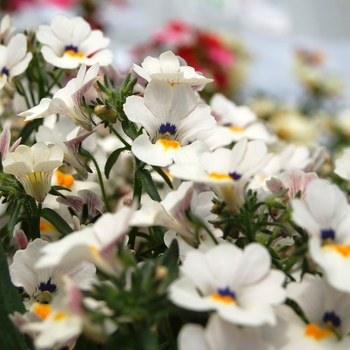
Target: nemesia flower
<point>171,69</point>
<point>171,212</point>
<point>64,321</point>
<point>294,179</point>
<point>42,284</point>
<point>68,43</point>
<point>95,243</point>
<point>226,171</point>
<point>238,284</point>
<point>171,118</point>
<point>291,156</point>
<point>33,167</point>
<point>6,29</point>
<point>325,215</point>
<point>235,122</point>
<point>67,101</point>
<point>342,165</point>
<point>220,335</point>
<point>5,139</point>
<point>70,138</point>
<point>87,206</point>
<point>326,309</point>
<point>14,58</point>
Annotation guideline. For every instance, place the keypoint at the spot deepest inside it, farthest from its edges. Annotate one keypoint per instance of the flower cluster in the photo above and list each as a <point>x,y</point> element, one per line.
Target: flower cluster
<point>134,214</point>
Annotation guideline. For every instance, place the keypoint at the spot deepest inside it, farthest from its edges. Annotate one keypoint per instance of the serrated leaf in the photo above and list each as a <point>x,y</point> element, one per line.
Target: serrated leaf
<point>148,184</point>
<point>57,221</point>
<point>112,160</point>
<point>10,301</point>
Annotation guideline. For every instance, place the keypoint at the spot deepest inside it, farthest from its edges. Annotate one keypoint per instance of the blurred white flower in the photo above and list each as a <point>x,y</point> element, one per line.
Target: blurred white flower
<point>325,215</point>
<point>14,59</point>
<point>238,284</point>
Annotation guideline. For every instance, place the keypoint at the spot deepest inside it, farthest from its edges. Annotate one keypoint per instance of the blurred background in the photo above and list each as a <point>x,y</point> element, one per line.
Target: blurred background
<point>265,53</point>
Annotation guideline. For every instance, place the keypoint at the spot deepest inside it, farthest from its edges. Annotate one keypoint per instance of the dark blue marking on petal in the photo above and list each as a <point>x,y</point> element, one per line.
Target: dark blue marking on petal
<point>328,233</point>
<point>5,71</point>
<point>47,286</point>
<point>170,128</point>
<point>330,317</point>
<point>235,176</point>
<point>224,292</point>
<point>71,48</point>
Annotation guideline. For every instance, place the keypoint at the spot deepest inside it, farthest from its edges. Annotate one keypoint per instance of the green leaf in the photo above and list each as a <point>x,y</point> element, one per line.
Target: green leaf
<point>10,301</point>
<point>112,159</point>
<point>148,184</point>
<point>56,220</point>
<point>14,210</point>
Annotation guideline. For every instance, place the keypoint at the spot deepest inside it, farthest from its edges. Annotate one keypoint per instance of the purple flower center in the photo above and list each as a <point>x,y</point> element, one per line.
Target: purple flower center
<point>331,318</point>
<point>226,292</point>
<point>71,48</point>
<point>235,176</point>
<point>5,71</point>
<point>47,286</point>
<point>167,128</point>
<point>328,233</point>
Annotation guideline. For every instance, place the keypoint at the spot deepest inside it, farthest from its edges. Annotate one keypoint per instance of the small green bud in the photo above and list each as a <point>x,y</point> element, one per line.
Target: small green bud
<point>106,113</point>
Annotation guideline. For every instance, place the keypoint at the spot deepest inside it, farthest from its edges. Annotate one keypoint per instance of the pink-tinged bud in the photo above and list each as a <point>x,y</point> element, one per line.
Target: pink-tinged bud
<point>21,239</point>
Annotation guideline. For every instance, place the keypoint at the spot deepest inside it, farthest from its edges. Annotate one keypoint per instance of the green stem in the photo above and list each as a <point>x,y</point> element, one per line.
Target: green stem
<point>100,180</point>
<point>36,226</point>
<point>115,132</point>
<point>54,82</point>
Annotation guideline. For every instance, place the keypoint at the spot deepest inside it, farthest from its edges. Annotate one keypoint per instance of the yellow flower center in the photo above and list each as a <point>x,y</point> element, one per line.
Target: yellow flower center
<point>60,316</point>
<point>220,176</point>
<point>65,180</point>
<point>169,144</point>
<point>235,129</point>
<point>72,53</point>
<point>312,330</point>
<point>341,249</point>
<point>227,299</point>
<point>42,310</point>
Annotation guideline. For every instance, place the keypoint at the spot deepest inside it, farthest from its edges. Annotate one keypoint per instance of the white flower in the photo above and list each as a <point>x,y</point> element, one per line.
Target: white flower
<point>171,119</point>
<point>220,335</point>
<point>68,43</point>
<point>42,284</point>
<point>171,212</point>
<point>327,318</point>
<point>6,29</point>
<point>342,165</point>
<point>64,320</point>
<point>322,305</point>
<point>235,122</point>
<point>227,171</point>
<point>95,243</point>
<point>294,180</point>
<point>325,215</point>
<point>171,69</point>
<point>5,139</point>
<point>238,284</point>
<point>67,101</point>
<point>33,167</point>
<point>14,59</point>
